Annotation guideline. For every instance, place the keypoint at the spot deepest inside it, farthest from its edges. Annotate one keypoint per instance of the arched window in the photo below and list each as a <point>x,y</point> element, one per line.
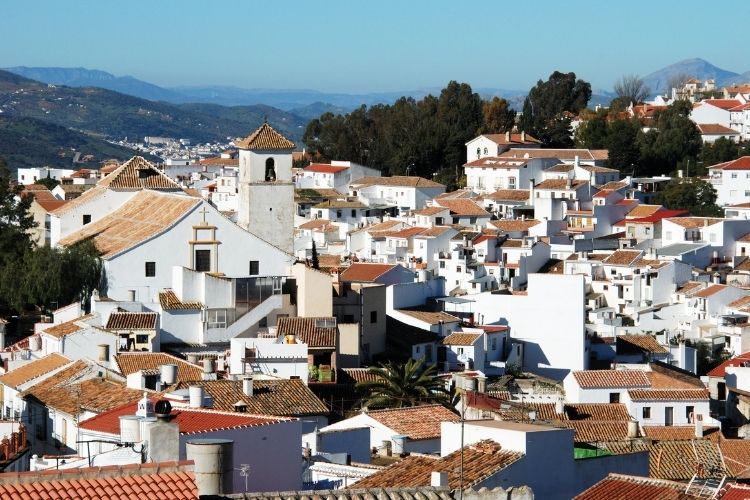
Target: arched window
<point>479,152</point>
<point>270,170</point>
<point>485,150</point>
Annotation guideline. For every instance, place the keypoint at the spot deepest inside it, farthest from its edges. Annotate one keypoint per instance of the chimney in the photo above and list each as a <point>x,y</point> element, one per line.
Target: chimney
<point>559,407</point>
<point>168,374</point>
<point>523,136</point>
<point>399,444</point>
<point>632,429</point>
<point>247,386</point>
<point>698,425</point>
<point>679,174</point>
<point>481,385</point>
<point>507,136</point>
<point>568,183</point>
<point>531,192</point>
<point>717,278</point>
<point>209,369</point>
<point>103,352</point>
<point>196,396</point>
<point>439,479</point>
<point>576,162</point>
<point>386,448</point>
<point>213,460</point>
<point>192,358</point>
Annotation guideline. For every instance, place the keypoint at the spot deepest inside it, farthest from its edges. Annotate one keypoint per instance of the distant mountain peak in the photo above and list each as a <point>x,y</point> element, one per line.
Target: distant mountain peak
<point>695,67</point>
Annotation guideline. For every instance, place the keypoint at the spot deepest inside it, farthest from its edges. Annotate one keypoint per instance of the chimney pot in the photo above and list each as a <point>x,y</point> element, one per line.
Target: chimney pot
<point>247,386</point>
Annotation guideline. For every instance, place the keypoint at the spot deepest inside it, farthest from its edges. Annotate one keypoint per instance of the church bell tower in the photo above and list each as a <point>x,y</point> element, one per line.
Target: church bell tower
<point>266,197</point>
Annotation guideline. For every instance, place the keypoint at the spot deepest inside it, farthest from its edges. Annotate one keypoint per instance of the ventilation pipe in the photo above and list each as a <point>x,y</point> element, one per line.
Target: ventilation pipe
<point>196,396</point>
<point>130,429</point>
<point>209,369</point>
<point>213,459</point>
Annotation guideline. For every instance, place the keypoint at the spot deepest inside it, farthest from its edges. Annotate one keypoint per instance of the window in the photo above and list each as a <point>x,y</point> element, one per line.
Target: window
<point>511,183</point>
<point>438,221</point>
<point>485,150</point>
<point>203,260</point>
<point>442,264</point>
<point>460,350</point>
<point>734,175</point>
<point>689,410</point>
<point>373,316</point>
<point>458,269</point>
<point>494,343</point>
<point>354,213</point>
<point>86,219</point>
<point>646,412</point>
<point>348,318</point>
<point>254,267</point>
<point>150,269</point>
<point>338,214</point>
<point>614,397</point>
<point>141,339</point>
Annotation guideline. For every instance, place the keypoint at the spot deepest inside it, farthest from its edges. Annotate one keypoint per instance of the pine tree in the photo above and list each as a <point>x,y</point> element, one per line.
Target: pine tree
<point>315,260</point>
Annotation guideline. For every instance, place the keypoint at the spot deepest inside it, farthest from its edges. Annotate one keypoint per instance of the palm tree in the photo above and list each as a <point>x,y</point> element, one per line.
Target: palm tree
<point>397,385</point>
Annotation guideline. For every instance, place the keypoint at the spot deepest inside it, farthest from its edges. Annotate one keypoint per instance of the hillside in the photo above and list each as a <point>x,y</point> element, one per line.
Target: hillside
<point>117,115</point>
<point>28,142</point>
<point>696,68</point>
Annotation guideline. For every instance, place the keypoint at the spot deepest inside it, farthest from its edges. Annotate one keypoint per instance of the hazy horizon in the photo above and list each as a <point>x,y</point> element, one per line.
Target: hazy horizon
<point>345,47</point>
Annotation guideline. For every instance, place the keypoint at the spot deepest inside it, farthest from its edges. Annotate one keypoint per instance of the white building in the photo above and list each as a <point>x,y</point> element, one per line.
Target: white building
<point>266,203</point>
<point>490,174</point>
<point>336,175</point>
<point>402,192</point>
<point>486,145</point>
<point>32,175</point>
<point>731,180</point>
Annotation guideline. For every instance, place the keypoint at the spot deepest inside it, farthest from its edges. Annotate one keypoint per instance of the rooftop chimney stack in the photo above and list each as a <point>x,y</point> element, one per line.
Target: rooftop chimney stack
<point>523,136</point>
<point>247,386</point>
<point>439,479</point>
<point>168,374</point>
<point>209,369</point>
<point>196,396</point>
<point>507,136</point>
<point>213,460</point>
<point>698,425</point>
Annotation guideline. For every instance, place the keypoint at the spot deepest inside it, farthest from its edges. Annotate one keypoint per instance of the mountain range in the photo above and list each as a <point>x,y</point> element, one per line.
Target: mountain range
<point>697,68</point>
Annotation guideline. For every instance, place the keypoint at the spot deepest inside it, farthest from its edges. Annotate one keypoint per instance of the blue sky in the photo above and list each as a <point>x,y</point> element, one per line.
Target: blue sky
<point>358,46</point>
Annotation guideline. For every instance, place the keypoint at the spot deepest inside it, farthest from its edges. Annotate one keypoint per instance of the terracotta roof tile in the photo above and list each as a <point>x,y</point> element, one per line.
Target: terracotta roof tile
<point>497,162</point>
<point>589,431</point>
<point>645,342</point>
<point>562,154</point>
<point>715,129</point>
<point>678,432</point>
<point>680,460</point>
<point>132,320</point>
<point>94,394</point>
<point>464,207</point>
<point>508,195</point>
<point>668,394</point>
<point>62,329</point>
<point>355,376</point>
<point>396,181</point>
<point>514,225</point>
<point>429,211</point>
<point>169,300</point>
<point>311,331</point>
<point>463,339</point>
<point>138,173</point>
<point>417,422</point>
<point>742,163</point>
<point>119,482</point>
<point>711,290</point>
<point>736,453</point>
<point>621,487</point>
<point>623,257</point>
<point>284,398</point>
<point>265,138</point>
<point>33,369</point>
<point>430,317</point>
<point>739,360</point>
<point>640,211</point>
<point>512,138</point>
<point>365,272</point>
<point>324,168</point>
<point>560,184</point>
<point>481,460</point>
<point>433,232</point>
<point>694,222</point>
<point>603,379</point>
<point>189,420</point>
<point>132,362</point>
<point>144,216</point>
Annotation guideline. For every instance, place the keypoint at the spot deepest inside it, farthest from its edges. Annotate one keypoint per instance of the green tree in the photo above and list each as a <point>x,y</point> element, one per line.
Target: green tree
<point>546,108</point>
<point>622,143</point>
<point>48,182</point>
<point>673,139</point>
<point>498,116</point>
<point>399,385</point>
<point>692,194</point>
<point>460,112</point>
<point>594,132</point>
<point>721,150</point>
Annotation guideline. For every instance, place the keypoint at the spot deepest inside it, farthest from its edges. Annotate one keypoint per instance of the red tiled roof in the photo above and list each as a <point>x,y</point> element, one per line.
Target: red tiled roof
<point>128,320</point>
<point>324,168</point>
<point>621,487</point>
<point>417,422</point>
<point>739,360</point>
<point>132,362</point>
<point>668,394</point>
<point>512,138</point>
<point>138,173</point>
<point>603,379</point>
<point>407,232</point>
<point>589,431</point>
<point>711,290</point>
<point>150,481</point>
<point>742,163</point>
<point>645,342</point>
<point>189,420</point>
<point>716,129</point>
<point>367,272</point>
<point>464,207</point>
<point>309,330</point>
<point>722,103</point>
<point>33,369</point>
<point>265,138</point>
<point>481,461</point>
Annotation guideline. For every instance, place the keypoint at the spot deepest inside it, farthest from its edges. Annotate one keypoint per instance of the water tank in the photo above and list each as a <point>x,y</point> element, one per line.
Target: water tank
<point>632,429</point>
<point>168,374</point>
<point>213,461</point>
<point>192,358</point>
<point>130,429</point>
<point>208,365</point>
<point>196,396</point>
